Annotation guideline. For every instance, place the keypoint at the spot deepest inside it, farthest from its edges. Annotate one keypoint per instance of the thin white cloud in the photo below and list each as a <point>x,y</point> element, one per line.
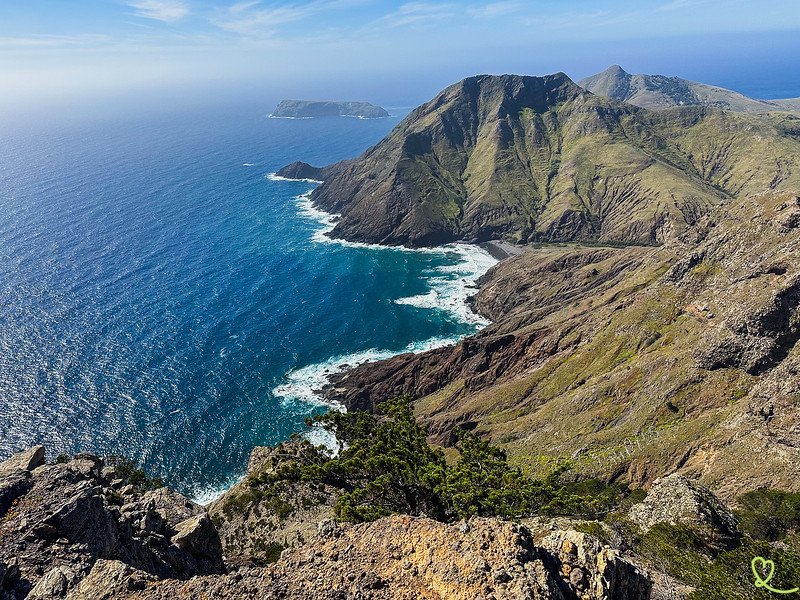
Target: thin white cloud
<point>496,9</point>
<point>160,10</point>
<point>53,41</point>
<point>252,18</point>
<point>416,13</point>
<point>678,4</point>
<point>246,19</point>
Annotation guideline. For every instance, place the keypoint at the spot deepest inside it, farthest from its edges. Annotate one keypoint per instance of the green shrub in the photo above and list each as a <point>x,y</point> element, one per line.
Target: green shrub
<point>272,553</point>
<point>114,498</point>
<point>386,466</point>
<point>769,514</point>
<point>675,549</point>
<point>592,528</point>
<point>126,470</point>
<point>730,576</point>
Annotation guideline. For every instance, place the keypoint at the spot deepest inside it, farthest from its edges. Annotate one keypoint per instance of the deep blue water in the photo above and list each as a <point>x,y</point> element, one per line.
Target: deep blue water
<point>161,296</point>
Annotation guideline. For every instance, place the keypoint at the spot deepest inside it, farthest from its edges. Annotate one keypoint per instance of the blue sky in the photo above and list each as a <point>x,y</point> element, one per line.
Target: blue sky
<point>380,50</point>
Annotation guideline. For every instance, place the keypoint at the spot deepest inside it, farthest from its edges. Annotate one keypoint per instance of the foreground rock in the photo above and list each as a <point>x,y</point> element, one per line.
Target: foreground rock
<point>57,520</point>
<point>408,558</point>
<point>255,526</point>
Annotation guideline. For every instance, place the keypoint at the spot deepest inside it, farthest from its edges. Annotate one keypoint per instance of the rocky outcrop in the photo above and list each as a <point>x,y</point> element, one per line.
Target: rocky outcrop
<point>15,477</point>
<point>539,159</point>
<point>301,170</point>
<point>403,557</point>
<point>658,92</point>
<point>679,501</point>
<point>588,570</point>
<point>307,109</point>
<point>256,527</point>
<point>67,516</point>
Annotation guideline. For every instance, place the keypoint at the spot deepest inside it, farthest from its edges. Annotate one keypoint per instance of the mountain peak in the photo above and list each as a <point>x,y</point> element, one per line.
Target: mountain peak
<point>658,92</point>
<point>615,70</point>
<point>531,159</point>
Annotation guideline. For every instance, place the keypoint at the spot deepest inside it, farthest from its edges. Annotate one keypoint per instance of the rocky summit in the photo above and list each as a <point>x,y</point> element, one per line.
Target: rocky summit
<point>540,159</point>
<point>71,531</point>
<point>658,91</point>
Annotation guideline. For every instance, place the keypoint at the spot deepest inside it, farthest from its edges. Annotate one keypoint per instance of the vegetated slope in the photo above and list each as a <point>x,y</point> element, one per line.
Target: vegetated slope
<point>632,362</point>
<point>541,159</point>
<point>658,91</point>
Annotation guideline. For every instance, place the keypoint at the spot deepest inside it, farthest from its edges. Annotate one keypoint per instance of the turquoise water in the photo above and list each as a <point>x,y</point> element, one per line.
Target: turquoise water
<point>162,296</point>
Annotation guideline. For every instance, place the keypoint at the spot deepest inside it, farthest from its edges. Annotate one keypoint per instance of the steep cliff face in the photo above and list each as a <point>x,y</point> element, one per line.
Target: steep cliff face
<point>631,362</point>
<point>541,159</point>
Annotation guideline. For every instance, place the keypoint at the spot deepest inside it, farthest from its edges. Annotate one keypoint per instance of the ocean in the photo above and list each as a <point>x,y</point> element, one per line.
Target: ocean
<point>165,297</point>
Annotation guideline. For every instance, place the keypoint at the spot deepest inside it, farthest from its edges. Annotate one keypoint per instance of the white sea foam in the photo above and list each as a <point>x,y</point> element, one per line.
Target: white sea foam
<point>276,177</point>
<point>303,384</point>
<point>208,496</point>
<point>322,437</point>
<point>247,164</point>
<point>327,221</point>
<point>450,286</point>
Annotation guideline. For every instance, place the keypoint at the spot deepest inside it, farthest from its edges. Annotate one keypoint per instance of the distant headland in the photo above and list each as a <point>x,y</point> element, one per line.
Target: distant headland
<point>307,109</point>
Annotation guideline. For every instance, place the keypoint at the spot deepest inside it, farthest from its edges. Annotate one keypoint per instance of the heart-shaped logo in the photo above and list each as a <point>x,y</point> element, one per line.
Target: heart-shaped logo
<point>761,565</point>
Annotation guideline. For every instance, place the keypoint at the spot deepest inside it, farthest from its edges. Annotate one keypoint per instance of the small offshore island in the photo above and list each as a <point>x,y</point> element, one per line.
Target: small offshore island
<point>310,109</point>
<point>628,427</point>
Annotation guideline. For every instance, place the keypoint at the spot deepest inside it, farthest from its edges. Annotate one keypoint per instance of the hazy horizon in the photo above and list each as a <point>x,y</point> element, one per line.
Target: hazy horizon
<point>119,54</point>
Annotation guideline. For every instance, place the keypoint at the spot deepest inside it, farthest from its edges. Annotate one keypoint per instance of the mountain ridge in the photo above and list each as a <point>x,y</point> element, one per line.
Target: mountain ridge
<point>540,159</point>
<point>659,91</point>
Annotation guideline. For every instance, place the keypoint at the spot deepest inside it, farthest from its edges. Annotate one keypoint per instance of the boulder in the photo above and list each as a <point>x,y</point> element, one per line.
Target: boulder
<point>24,461</point>
<point>199,537</point>
<point>15,476</point>
<point>88,465</point>
<point>13,485</point>
<point>676,500</point>
<point>55,584</point>
<point>590,571</point>
<point>110,579</point>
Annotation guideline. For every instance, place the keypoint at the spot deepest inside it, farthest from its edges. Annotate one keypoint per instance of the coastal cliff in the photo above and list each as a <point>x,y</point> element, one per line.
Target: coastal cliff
<point>629,362</point>
<point>613,408</point>
<point>540,159</point>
